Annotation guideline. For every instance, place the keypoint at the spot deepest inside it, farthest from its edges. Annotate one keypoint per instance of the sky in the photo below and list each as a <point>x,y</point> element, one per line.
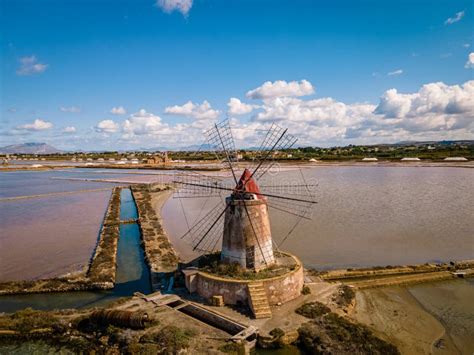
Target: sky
<point>136,74</point>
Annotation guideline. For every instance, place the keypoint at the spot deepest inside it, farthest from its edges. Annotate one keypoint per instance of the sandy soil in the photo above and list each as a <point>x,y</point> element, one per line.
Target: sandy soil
<point>158,200</point>
<point>397,317</point>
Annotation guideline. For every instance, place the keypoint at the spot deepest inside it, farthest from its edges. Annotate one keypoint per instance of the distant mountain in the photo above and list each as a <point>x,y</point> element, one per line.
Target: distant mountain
<point>29,148</point>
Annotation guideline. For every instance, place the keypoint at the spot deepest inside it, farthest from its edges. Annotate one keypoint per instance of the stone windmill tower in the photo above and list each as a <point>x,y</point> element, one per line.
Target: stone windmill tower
<point>247,240</point>
<point>244,234</point>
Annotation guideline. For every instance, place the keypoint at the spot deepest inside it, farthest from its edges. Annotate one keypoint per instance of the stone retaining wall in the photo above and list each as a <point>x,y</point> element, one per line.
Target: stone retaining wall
<point>279,289</point>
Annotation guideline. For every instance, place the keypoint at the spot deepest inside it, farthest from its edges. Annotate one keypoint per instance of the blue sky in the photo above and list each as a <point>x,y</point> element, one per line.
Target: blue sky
<point>66,64</point>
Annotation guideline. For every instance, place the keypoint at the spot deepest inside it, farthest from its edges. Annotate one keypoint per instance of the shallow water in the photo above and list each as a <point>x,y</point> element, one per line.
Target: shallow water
<point>365,216</point>
<point>50,235</point>
<point>452,303</point>
<point>132,274</point>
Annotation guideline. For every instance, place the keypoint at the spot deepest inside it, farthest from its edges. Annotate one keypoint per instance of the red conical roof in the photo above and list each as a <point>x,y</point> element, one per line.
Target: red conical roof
<point>248,184</point>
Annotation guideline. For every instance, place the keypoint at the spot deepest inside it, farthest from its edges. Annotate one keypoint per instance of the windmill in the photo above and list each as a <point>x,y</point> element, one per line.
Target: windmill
<point>240,221</point>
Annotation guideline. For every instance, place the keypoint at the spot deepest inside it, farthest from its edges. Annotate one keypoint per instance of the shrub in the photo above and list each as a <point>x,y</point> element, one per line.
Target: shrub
<point>345,297</point>
<point>334,334</point>
<point>170,339</point>
<point>232,348</point>
<point>313,310</point>
<point>306,290</point>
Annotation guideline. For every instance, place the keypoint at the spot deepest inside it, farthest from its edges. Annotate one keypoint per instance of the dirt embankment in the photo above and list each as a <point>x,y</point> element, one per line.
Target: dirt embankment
<point>160,254</point>
<point>102,268</point>
<point>399,275</point>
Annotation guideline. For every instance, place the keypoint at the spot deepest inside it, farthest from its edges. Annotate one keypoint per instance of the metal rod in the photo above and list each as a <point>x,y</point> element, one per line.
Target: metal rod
<point>256,193</point>
<point>265,157</point>
<point>289,212</point>
<point>226,153</point>
<point>212,226</point>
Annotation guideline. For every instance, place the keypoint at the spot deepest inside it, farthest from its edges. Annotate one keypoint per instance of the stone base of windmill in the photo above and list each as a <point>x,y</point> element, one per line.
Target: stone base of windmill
<point>259,293</point>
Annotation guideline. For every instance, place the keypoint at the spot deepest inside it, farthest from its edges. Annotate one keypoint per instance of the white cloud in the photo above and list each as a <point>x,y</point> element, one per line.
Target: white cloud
<point>120,110</point>
<point>281,88</point>
<point>69,129</point>
<point>107,126</point>
<point>466,45</point>
<point>437,98</point>
<point>436,111</point>
<point>237,107</point>
<point>202,111</point>
<point>395,72</point>
<point>71,109</point>
<point>459,15</point>
<point>37,125</point>
<point>30,65</point>
<point>169,6</point>
<point>142,123</point>
<point>470,61</point>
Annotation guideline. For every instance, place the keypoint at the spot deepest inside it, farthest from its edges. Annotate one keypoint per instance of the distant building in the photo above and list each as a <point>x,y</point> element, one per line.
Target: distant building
<point>455,159</point>
<point>369,159</point>
<point>158,159</point>
<point>410,159</point>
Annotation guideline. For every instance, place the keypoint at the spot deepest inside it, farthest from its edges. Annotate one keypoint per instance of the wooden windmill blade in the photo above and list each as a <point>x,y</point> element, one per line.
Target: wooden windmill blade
<point>195,185</point>
<point>242,222</point>
<point>221,141</point>
<point>294,199</point>
<point>205,234</point>
<point>276,139</point>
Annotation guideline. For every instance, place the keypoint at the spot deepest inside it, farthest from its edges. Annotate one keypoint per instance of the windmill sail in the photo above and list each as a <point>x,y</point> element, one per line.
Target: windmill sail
<point>241,224</point>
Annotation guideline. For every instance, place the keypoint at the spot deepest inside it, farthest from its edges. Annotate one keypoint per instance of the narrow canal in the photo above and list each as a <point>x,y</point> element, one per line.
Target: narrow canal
<point>132,273</point>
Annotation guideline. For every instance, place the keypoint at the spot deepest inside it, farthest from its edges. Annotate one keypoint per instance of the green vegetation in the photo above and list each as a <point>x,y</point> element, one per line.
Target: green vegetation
<point>423,150</point>
<point>170,339</point>
<point>306,290</point>
<point>313,310</point>
<point>232,348</point>
<point>211,263</point>
<point>160,254</point>
<point>26,320</point>
<point>102,268</point>
<point>332,334</point>
<point>345,296</point>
